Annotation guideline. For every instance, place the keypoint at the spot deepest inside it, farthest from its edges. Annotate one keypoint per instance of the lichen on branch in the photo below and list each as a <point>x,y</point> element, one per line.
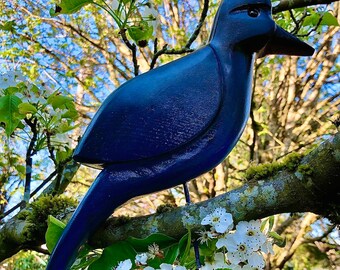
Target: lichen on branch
<point>311,186</point>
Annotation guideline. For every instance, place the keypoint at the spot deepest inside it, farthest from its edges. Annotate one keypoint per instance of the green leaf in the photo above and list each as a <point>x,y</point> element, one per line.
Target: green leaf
<point>70,114</point>
<point>278,239</point>
<point>21,169</point>
<point>69,6</point>
<point>21,125</point>
<point>271,223</point>
<point>9,112</point>
<point>8,26</point>
<point>54,231</point>
<point>141,245</point>
<point>155,263</point>
<point>11,90</point>
<point>35,89</point>
<point>65,127</point>
<point>40,143</point>
<point>329,19</point>
<point>184,246</point>
<point>84,250</point>
<point>83,259</point>
<point>113,254</point>
<point>263,224</point>
<point>171,253</point>
<point>208,249</point>
<point>63,155</point>
<point>311,20</point>
<point>84,263</point>
<point>59,101</point>
<point>140,32</point>
<point>25,108</point>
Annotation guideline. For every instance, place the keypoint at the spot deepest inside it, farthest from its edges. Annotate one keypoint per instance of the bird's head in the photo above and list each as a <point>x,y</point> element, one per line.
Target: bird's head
<point>248,25</point>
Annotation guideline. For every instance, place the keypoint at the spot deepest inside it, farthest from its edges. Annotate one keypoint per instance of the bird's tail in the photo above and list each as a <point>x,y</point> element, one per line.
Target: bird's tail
<point>110,190</point>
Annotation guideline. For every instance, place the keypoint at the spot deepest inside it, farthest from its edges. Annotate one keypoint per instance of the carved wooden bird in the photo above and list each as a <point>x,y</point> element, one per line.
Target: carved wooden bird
<point>175,122</point>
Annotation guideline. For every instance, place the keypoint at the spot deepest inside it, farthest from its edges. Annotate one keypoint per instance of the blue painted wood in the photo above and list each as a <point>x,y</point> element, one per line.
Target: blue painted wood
<point>176,122</point>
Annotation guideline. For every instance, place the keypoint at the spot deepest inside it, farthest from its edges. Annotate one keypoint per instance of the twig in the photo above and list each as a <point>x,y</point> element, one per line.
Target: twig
<point>155,46</point>
<point>323,235</point>
<point>40,250</point>
<point>157,54</point>
<point>48,179</point>
<point>50,148</point>
<point>313,29</point>
<point>254,124</point>
<point>199,25</point>
<point>31,151</point>
<point>133,49</point>
<point>297,25</point>
<point>186,47</point>
<point>291,4</point>
<point>60,169</point>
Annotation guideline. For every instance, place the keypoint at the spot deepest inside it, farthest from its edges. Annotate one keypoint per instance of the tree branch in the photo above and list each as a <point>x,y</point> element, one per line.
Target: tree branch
<point>287,191</point>
<point>291,4</point>
<point>31,151</point>
<point>133,49</point>
<point>186,47</point>
<point>281,193</point>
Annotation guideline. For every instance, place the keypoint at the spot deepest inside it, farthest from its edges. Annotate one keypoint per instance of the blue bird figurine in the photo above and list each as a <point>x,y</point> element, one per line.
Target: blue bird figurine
<point>175,122</point>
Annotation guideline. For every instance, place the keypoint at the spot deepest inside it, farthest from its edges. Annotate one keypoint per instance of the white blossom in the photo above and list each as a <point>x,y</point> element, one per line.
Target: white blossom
<point>150,15</point>
<point>61,138</point>
<point>11,79</point>
<point>124,265</point>
<point>115,4</point>
<point>240,267</point>
<point>149,268</point>
<point>220,220</point>
<point>267,247</point>
<point>141,259</point>
<point>166,266</point>
<point>251,232</point>
<point>222,242</point>
<point>238,250</point>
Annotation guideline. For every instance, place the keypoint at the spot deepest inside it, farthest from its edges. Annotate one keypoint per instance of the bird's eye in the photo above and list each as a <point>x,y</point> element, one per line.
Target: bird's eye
<point>253,12</point>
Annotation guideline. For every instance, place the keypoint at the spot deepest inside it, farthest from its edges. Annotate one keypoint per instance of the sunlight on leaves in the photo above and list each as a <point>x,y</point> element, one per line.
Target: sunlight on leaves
<point>9,112</point>
<point>54,231</point>
<point>69,6</point>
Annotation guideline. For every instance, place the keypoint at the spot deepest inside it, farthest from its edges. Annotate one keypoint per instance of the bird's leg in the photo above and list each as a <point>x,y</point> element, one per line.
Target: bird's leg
<point>196,249</point>
<point>186,193</point>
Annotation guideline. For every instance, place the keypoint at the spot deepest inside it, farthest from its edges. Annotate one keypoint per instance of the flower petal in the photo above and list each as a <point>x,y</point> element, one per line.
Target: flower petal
<point>235,257</point>
<point>207,220</point>
<point>256,260</point>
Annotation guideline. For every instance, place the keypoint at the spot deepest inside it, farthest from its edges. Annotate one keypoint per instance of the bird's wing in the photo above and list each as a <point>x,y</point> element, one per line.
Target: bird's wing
<point>155,113</point>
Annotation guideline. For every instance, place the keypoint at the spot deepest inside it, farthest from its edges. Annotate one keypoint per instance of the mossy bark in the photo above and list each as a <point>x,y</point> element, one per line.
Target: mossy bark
<point>312,186</point>
<point>27,229</point>
<point>300,190</point>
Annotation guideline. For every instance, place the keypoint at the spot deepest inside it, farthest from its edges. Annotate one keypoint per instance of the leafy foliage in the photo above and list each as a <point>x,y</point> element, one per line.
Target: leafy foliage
<point>10,115</point>
<point>54,230</point>
<point>69,7</point>
<point>126,14</point>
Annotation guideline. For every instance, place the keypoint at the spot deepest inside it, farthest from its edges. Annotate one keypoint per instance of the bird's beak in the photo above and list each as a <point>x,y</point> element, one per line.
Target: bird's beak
<point>283,42</point>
